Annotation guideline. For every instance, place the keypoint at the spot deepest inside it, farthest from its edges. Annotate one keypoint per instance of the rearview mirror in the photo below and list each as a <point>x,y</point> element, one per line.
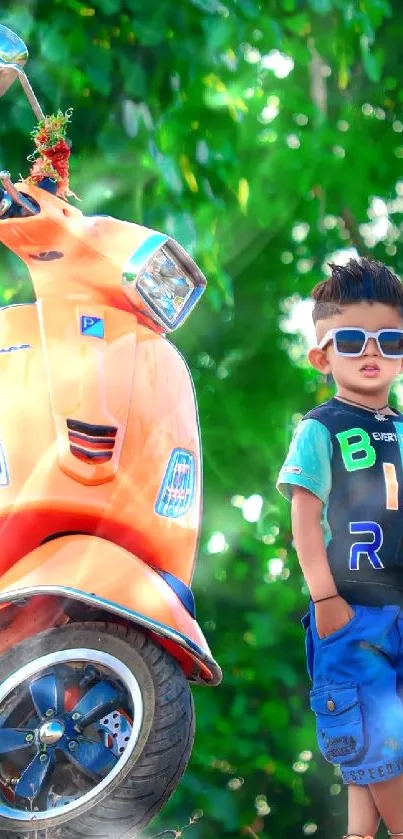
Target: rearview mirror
<point>12,51</point>
<point>13,55</point>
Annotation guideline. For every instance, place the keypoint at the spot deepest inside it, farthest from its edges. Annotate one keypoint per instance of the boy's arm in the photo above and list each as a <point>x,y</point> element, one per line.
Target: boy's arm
<point>305,479</point>
<point>306,513</point>
<point>306,510</point>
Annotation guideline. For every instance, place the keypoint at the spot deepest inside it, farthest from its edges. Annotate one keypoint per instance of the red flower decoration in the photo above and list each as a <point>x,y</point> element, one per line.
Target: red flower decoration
<point>51,157</point>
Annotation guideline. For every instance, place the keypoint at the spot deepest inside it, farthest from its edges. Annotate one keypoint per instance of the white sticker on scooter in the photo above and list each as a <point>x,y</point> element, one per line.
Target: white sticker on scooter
<point>4,479</point>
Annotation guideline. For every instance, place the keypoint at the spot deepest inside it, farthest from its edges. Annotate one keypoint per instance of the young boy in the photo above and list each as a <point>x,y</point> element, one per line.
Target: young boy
<point>344,476</point>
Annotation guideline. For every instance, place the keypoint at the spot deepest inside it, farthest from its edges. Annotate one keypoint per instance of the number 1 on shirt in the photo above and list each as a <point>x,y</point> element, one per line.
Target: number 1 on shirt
<point>392,486</point>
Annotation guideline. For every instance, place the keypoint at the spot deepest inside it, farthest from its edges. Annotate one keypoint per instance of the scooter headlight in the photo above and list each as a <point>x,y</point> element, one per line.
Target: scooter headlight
<point>161,275</point>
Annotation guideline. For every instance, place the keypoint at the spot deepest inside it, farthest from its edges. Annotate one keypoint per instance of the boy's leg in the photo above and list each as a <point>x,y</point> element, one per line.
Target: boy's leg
<point>388,797</point>
<point>359,713</point>
<point>363,815</point>
<point>385,794</point>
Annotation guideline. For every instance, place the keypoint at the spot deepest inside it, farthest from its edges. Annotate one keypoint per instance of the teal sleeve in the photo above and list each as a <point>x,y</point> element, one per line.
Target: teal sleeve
<point>308,462</point>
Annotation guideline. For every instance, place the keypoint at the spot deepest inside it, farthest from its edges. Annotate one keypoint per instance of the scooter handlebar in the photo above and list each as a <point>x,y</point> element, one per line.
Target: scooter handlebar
<point>13,204</point>
<point>5,203</point>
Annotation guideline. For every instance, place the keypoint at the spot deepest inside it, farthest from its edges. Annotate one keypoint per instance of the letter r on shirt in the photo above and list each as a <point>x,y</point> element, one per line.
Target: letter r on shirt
<point>368,548</point>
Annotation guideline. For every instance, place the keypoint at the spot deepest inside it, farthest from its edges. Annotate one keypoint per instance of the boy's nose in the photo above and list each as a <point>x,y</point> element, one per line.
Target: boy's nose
<point>372,347</point>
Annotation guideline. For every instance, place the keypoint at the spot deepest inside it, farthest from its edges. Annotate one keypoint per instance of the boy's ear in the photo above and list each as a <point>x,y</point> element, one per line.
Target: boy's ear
<point>318,359</point>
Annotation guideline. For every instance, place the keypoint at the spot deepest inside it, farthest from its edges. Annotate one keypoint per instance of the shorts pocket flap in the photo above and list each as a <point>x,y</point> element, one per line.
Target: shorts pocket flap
<point>334,699</point>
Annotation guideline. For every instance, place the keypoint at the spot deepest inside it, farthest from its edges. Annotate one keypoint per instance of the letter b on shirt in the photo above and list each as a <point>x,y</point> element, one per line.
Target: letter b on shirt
<point>356,449</point>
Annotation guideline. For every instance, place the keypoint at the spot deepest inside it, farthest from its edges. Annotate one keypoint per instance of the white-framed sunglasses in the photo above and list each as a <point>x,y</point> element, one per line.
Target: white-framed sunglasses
<point>351,341</point>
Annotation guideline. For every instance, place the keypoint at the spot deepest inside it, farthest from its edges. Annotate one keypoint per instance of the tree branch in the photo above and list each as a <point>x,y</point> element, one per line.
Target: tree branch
<point>176,834</point>
<point>352,226</point>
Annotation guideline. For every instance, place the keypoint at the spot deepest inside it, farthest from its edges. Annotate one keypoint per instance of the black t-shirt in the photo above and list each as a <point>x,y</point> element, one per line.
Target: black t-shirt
<point>353,461</point>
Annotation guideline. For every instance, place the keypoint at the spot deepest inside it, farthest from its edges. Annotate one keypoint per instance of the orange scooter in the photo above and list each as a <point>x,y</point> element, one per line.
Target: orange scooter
<point>100,512</point>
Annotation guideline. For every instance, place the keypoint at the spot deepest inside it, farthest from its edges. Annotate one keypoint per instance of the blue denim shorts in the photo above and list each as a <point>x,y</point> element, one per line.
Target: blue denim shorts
<point>357,692</point>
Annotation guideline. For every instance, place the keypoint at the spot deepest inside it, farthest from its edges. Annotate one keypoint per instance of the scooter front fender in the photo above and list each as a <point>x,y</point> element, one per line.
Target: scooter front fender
<point>100,574</point>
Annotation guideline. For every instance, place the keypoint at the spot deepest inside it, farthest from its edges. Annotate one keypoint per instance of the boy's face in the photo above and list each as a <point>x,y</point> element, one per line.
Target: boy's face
<point>370,372</point>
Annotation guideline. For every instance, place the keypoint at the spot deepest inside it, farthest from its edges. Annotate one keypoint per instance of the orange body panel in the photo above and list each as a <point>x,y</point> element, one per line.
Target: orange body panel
<point>104,570</point>
<point>89,252</point>
<point>76,257</point>
<point>128,392</point>
<point>133,380</point>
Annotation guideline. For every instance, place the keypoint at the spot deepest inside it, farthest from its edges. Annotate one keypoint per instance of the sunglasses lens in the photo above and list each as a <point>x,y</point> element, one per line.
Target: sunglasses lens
<point>349,341</point>
<point>391,342</point>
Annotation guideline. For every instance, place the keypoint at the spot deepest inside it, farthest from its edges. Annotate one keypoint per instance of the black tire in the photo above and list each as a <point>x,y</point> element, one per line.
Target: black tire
<point>160,755</point>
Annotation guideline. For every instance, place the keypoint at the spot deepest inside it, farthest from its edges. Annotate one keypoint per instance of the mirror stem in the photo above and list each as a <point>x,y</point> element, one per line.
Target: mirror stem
<point>29,92</point>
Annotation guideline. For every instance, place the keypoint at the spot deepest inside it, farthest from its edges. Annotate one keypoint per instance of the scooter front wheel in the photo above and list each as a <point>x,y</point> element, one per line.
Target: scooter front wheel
<point>96,729</point>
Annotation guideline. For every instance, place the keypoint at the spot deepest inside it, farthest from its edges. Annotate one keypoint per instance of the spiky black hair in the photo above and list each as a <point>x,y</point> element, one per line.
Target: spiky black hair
<point>365,279</point>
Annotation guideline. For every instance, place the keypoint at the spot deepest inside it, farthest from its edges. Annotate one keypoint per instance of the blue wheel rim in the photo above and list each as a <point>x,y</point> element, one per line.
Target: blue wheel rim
<point>65,728</point>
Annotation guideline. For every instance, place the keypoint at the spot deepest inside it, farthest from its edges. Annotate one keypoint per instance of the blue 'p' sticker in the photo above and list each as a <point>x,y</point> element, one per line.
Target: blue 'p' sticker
<point>92,326</point>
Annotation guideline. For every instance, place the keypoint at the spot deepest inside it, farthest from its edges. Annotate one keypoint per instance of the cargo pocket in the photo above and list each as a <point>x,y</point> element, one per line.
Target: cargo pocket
<point>309,647</point>
<point>339,723</point>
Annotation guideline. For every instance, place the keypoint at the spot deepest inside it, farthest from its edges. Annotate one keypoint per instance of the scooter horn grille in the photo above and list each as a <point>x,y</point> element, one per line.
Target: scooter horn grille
<point>91,443</point>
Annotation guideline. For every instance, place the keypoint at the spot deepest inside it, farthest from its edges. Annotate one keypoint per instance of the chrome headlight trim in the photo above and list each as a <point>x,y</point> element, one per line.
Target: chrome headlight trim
<point>141,261</point>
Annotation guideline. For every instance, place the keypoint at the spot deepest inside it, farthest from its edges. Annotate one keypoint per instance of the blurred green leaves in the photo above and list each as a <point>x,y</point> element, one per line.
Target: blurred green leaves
<point>258,135</point>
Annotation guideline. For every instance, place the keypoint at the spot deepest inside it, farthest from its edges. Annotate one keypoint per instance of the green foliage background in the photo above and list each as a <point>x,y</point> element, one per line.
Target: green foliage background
<point>180,124</point>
